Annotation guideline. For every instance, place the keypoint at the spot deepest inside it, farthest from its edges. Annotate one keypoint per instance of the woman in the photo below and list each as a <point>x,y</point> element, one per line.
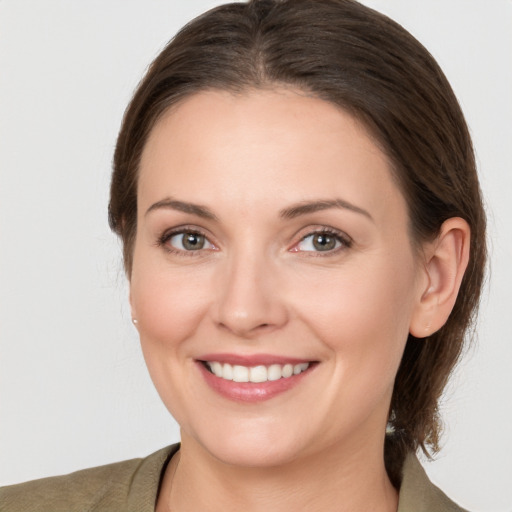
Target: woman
<point>295,189</point>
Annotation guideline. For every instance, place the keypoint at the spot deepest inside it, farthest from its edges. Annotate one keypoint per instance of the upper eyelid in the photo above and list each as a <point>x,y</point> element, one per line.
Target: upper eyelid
<point>345,240</point>
<point>330,231</point>
<point>326,229</point>
<point>306,232</point>
<point>163,239</point>
<point>168,233</point>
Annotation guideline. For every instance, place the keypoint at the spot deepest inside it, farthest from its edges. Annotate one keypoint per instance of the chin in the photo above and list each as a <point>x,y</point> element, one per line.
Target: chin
<point>249,448</point>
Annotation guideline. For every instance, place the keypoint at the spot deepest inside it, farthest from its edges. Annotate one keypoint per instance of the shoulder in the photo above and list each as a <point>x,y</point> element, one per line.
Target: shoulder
<point>419,494</point>
<point>127,485</point>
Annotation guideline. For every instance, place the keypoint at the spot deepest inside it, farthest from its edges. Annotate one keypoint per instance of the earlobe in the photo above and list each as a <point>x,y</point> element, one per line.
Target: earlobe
<point>446,261</point>
<point>132,311</point>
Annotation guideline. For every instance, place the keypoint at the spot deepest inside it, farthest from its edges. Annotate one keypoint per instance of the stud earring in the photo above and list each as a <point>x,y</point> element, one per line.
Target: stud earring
<point>134,320</point>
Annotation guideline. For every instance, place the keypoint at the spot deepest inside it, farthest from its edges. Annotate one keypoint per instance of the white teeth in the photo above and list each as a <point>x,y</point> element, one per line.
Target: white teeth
<point>216,368</point>
<point>275,372</point>
<point>227,372</point>
<point>258,374</point>
<point>287,370</point>
<point>299,368</point>
<point>238,373</point>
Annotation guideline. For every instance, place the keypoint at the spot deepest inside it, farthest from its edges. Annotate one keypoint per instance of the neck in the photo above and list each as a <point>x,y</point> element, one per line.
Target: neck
<point>330,481</point>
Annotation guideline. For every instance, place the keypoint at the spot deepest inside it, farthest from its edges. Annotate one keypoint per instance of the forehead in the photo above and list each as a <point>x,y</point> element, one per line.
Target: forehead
<point>262,144</point>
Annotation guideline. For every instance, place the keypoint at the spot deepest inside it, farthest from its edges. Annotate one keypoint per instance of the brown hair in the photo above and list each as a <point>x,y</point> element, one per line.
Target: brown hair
<point>367,64</point>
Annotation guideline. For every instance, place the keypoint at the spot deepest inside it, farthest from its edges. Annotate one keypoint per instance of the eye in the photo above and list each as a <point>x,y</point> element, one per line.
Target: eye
<point>322,241</point>
<point>188,241</point>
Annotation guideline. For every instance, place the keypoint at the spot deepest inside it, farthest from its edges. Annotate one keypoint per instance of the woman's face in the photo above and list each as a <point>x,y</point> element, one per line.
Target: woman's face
<point>271,240</point>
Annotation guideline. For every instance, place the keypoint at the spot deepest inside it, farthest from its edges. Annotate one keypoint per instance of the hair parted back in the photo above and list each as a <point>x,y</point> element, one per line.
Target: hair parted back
<point>365,63</point>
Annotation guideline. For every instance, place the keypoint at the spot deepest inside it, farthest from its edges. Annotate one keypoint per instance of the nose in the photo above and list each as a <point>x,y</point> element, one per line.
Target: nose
<point>250,300</point>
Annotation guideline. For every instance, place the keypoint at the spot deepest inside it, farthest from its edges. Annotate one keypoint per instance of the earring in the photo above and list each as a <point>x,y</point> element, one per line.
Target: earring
<point>134,320</point>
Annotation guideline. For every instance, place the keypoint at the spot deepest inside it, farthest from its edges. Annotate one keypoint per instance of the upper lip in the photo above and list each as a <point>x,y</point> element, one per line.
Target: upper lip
<point>252,359</point>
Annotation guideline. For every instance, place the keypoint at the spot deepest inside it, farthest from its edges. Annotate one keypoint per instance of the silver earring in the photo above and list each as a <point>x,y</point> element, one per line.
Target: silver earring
<point>134,320</point>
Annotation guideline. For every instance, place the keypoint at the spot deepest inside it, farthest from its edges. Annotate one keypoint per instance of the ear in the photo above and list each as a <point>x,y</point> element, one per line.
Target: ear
<point>132,309</point>
<point>446,259</point>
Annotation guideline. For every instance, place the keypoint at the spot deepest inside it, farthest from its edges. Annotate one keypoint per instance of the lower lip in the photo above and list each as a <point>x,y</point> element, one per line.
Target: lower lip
<point>251,391</point>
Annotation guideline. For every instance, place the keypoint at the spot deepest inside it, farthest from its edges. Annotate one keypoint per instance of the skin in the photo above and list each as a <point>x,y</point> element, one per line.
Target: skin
<point>259,286</point>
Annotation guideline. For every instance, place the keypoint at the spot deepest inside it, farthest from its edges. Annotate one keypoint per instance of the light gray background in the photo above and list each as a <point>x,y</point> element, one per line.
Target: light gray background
<point>74,391</point>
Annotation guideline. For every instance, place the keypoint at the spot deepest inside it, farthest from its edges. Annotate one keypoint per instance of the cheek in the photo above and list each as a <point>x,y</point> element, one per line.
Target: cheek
<point>167,304</point>
<point>362,310</point>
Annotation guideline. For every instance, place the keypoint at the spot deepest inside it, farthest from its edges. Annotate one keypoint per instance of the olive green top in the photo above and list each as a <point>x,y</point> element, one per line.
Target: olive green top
<point>132,486</point>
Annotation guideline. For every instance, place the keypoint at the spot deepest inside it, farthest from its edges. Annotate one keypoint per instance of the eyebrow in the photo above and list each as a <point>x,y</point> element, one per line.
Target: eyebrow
<point>182,206</point>
<point>291,212</point>
<point>316,206</point>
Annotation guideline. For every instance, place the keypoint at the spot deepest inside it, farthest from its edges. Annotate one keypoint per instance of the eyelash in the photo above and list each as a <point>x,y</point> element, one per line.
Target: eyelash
<point>167,235</point>
<point>345,241</point>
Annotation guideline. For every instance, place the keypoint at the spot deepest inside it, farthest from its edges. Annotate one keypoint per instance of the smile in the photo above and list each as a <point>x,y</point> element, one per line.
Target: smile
<point>253,378</point>
<point>255,374</point>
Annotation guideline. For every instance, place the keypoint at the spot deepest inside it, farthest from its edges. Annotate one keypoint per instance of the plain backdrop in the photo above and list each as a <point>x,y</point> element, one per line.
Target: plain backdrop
<point>74,391</point>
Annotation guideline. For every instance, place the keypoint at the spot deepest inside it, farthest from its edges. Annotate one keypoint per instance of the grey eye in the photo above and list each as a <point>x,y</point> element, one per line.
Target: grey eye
<point>319,242</point>
<point>189,241</point>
